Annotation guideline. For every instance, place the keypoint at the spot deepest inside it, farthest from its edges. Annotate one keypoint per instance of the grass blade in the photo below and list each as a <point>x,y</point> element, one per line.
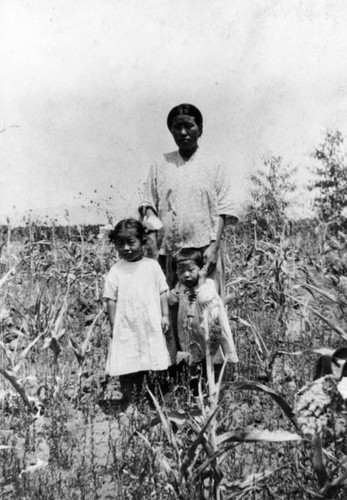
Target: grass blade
<point>255,435</point>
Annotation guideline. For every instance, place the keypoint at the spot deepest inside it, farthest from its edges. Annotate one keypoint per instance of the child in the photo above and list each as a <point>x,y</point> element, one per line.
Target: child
<point>136,294</point>
<point>200,308</point>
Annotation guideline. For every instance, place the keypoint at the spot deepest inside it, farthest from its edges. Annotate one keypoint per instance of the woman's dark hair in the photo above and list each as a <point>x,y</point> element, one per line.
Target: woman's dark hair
<point>184,109</point>
<point>128,224</point>
<point>188,254</point>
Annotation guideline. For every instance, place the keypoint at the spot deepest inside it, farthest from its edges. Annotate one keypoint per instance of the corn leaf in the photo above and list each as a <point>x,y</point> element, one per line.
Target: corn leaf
<point>256,386</point>
<point>7,275</point>
<point>178,417</point>
<point>86,342</point>
<point>277,436</point>
<point>253,478</point>
<point>164,420</point>
<point>200,438</point>
<point>10,376</point>
<point>324,351</point>
<point>318,461</point>
<point>76,349</point>
<point>323,293</point>
<point>31,345</point>
<point>60,316</point>
<point>327,321</point>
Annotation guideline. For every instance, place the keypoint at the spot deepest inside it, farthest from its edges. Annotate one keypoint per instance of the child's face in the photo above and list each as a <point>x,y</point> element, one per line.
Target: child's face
<point>188,273</point>
<point>128,245</point>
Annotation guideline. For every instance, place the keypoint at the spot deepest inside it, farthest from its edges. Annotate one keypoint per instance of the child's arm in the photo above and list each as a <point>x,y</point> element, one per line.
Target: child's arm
<point>111,311</point>
<point>173,296</point>
<point>165,323</point>
<point>202,276</point>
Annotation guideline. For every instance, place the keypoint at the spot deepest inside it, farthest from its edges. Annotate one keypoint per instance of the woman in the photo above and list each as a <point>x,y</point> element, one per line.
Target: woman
<point>189,191</point>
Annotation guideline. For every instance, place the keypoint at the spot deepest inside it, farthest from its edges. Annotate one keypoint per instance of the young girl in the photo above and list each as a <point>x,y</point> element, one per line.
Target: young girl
<point>136,295</point>
<point>200,307</point>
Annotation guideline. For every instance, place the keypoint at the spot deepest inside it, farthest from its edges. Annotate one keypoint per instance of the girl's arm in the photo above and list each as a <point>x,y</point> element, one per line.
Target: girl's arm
<point>165,323</point>
<point>111,311</point>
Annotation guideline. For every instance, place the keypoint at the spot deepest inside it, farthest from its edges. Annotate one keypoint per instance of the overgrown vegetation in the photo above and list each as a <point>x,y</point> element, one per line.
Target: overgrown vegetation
<point>275,429</point>
<point>271,186</point>
<point>331,177</point>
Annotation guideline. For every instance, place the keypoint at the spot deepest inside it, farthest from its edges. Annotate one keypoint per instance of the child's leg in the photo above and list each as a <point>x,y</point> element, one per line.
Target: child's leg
<point>201,372</point>
<point>158,383</point>
<point>217,371</point>
<point>126,387</point>
<point>217,368</point>
<point>132,385</point>
<point>197,372</point>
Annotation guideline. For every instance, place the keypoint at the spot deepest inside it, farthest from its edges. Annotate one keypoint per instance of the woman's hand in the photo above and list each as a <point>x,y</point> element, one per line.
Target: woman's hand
<point>149,212</point>
<point>210,257</point>
<point>165,323</point>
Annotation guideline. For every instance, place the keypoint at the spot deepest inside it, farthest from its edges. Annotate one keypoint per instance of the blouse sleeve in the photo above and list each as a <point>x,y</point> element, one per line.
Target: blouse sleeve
<point>150,197</point>
<point>111,285</point>
<point>225,200</point>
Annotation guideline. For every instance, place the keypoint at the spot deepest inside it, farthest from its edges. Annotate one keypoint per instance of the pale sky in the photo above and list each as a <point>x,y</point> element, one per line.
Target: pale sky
<point>86,86</point>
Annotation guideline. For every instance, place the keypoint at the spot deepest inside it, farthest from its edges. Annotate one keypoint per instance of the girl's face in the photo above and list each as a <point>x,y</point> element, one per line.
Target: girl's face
<point>128,245</point>
<point>188,273</point>
<point>186,132</point>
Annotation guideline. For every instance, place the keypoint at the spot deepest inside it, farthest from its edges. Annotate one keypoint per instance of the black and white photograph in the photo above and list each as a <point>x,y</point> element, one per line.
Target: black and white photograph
<point>173,249</point>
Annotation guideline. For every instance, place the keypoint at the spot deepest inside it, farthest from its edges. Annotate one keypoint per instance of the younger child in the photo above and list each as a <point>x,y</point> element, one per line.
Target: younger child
<point>136,295</point>
<point>200,308</point>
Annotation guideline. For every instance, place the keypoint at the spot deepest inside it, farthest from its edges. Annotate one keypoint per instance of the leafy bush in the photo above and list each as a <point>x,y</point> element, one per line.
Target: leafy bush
<point>330,186</point>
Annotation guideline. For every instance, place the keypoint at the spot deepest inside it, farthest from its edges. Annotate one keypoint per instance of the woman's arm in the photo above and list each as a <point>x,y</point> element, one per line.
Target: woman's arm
<point>150,196</point>
<point>111,311</point>
<point>226,211</point>
<point>165,323</point>
<point>211,252</point>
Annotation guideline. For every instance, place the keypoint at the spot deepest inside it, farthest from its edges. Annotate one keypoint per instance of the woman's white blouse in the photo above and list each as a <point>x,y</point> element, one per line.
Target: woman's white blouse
<point>188,197</point>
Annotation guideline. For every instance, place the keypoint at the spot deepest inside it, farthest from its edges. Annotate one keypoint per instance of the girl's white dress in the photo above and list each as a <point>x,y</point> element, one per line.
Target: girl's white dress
<point>138,341</point>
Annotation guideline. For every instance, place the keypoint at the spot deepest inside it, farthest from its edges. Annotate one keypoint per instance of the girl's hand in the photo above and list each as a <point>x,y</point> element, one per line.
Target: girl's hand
<point>210,257</point>
<point>165,323</point>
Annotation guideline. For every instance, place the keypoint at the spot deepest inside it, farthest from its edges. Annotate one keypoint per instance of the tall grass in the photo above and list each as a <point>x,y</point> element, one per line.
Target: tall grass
<point>60,438</point>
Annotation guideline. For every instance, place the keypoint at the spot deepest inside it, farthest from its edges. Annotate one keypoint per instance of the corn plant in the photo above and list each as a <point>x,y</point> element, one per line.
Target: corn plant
<point>199,465</point>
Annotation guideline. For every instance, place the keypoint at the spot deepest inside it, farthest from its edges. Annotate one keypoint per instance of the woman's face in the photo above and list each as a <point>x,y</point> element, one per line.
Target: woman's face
<point>186,132</point>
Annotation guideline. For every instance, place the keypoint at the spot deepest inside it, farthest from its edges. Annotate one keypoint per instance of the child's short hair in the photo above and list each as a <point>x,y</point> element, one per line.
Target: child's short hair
<point>128,224</point>
<point>188,254</point>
